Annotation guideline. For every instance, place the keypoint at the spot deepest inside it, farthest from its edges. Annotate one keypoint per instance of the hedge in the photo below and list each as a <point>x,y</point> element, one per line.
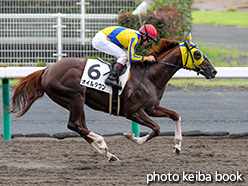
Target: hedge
<point>171,18</point>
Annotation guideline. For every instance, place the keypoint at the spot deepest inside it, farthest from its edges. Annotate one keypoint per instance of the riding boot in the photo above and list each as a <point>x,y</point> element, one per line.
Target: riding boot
<point>113,78</point>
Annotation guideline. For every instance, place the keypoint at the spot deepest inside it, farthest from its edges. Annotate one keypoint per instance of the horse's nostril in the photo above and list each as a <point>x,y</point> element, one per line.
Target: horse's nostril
<point>214,72</point>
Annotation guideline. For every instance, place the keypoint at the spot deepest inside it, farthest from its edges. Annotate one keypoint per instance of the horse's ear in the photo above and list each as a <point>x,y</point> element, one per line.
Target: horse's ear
<point>188,40</point>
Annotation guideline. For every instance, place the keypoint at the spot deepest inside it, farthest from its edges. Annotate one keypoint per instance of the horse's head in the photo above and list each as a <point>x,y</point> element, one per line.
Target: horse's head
<point>193,58</point>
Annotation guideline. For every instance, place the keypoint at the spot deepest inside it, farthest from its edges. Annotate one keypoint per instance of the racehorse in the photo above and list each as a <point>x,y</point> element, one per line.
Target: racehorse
<point>139,100</point>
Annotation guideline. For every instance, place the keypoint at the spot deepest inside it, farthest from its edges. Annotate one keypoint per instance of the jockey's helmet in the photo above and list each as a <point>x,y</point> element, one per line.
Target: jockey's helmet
<point>149,30</point>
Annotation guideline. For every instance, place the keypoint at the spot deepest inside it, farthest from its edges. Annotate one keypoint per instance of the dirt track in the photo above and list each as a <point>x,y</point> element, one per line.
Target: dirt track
<point>45,161</point>
<point>51,162</point>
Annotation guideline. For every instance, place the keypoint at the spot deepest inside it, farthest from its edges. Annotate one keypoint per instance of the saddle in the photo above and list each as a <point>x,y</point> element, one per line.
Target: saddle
<point>94,76</point>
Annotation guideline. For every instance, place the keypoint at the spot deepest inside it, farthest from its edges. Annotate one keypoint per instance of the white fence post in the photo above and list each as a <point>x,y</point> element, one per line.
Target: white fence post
<point>59,27</point>
<point>142,7</point>
<point>82,3</point>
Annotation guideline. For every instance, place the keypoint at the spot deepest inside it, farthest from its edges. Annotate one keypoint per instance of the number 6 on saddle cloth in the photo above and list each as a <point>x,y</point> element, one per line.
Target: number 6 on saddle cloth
<point>94,76</point>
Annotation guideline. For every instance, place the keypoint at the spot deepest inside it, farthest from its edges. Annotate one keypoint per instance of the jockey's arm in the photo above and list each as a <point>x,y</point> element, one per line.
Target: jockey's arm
<point>133,57</point>
<point>131,51</point>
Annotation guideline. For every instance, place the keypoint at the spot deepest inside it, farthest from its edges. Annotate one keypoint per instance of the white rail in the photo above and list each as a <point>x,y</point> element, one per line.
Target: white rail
<point>223,72</point>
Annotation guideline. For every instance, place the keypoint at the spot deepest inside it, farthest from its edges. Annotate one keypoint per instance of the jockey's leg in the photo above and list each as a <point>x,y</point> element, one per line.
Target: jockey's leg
<point>101,43</point>
<point>113,78</point>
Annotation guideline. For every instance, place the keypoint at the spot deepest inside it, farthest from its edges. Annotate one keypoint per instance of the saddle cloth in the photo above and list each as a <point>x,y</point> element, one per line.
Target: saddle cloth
<point>96,72</point>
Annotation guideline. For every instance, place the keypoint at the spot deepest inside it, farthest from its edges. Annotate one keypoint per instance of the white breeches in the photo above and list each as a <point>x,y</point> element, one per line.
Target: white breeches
<point>101,43</point>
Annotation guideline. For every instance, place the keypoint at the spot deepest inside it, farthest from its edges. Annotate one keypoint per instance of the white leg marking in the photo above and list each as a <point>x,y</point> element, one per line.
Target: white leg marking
<point>98,140</point>
<point>100,145</point>
<point>178,133</point>
<point>138,140</point>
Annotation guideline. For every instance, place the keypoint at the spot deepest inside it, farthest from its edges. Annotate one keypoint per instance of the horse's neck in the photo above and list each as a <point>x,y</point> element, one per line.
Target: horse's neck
<point>162,73</point>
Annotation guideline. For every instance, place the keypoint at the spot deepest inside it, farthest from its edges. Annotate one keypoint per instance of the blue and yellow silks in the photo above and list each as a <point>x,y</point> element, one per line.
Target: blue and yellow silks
<point>187,58</point>
<point>125,38</point>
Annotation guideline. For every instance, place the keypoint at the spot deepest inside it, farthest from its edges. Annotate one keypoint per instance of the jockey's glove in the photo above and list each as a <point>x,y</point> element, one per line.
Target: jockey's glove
<point>145,62</point>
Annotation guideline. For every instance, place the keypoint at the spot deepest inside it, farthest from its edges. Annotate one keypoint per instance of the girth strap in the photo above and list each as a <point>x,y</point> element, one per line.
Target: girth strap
<point>114,102</point>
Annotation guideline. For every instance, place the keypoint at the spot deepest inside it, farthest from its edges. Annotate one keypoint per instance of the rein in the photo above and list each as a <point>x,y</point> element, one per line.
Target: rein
<point>147,68</point>
<point>198,69</point>
<point>164,63</point>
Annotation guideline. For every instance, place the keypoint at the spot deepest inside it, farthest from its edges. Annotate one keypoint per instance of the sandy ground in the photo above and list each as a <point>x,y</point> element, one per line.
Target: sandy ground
<point>72,161</point>
<point>220,5</point>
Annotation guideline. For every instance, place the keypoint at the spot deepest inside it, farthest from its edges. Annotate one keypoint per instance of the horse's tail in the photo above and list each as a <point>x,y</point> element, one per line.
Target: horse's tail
<point>27,92</point>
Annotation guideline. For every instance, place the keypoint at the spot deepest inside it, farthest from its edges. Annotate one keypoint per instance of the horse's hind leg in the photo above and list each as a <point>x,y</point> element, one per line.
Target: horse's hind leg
<point>77,123</point>
<point>163,112</point>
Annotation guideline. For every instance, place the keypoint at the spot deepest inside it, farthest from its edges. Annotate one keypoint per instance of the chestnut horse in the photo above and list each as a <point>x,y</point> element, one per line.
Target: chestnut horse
<point>61,82</point>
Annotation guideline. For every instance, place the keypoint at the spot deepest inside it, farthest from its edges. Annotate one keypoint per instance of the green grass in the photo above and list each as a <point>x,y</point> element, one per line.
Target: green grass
<point>14,82</point>
<point>220,18</point>
<point>222,56</point>
<point>185,84</point>
<point>225,56</point>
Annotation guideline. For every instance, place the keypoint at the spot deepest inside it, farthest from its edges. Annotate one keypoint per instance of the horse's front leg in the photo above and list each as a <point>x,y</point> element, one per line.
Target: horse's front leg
<point>143,118</point>
<point>163,112</point>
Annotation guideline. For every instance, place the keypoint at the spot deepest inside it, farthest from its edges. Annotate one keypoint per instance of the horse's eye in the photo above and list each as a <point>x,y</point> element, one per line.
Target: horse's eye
<point>197,55</point>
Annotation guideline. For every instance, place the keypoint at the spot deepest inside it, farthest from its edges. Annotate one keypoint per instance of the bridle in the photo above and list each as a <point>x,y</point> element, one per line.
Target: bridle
<point>197,68</point>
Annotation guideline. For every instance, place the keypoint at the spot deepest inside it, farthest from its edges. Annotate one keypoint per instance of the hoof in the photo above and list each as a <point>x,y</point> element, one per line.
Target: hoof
<point>129,135</point>
<point>176,150</point>
<point>113,159</point>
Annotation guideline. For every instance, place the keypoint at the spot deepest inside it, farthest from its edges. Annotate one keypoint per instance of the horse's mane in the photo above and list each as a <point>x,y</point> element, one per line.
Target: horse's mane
<point>164,45</point>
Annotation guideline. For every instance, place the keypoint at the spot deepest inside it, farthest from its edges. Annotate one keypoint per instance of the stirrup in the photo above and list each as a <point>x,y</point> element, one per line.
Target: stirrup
<point>111,83</point>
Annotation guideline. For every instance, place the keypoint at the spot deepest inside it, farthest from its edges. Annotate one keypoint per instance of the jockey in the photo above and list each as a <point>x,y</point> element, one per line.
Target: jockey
<point>122,42</point>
